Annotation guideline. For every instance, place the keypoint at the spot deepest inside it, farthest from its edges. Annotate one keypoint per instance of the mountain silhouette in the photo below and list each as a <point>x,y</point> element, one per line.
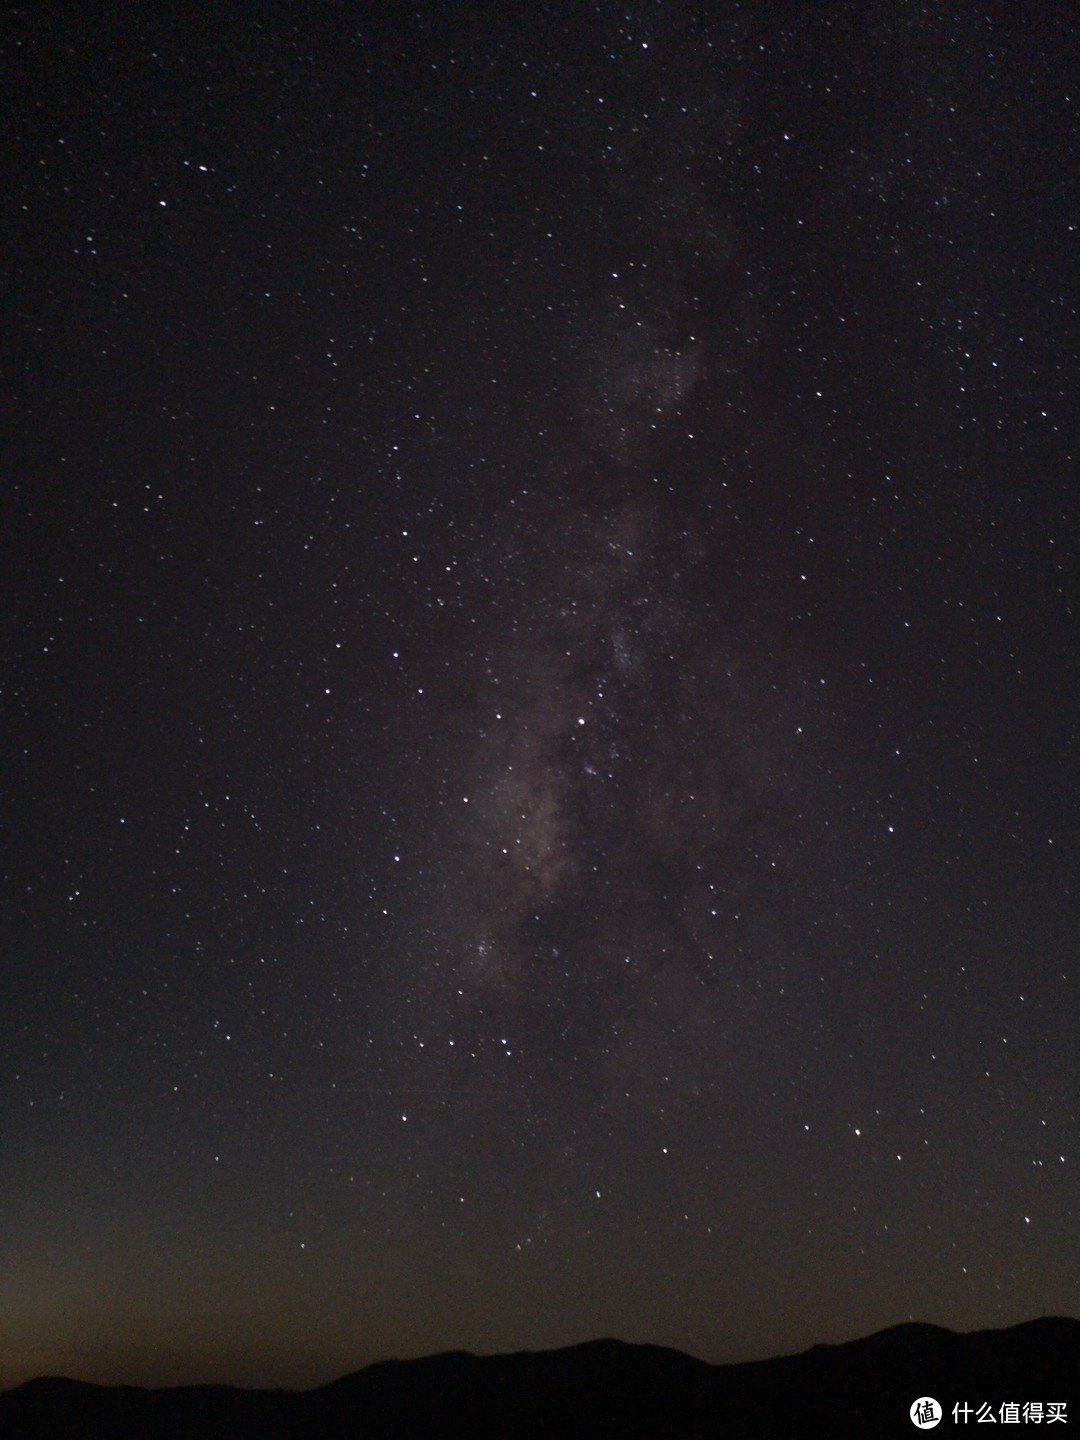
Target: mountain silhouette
<point>601,1390</point>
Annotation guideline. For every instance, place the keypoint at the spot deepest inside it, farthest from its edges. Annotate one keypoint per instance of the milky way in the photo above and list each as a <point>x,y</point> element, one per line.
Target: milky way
<point>627,777</point>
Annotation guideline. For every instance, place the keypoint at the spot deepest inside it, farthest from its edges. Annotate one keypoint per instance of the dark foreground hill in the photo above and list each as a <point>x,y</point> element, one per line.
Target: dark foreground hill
<point>604,1390</point>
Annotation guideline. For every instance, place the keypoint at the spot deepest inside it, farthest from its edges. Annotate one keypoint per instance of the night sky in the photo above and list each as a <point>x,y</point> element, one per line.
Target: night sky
<point>538,680</point>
